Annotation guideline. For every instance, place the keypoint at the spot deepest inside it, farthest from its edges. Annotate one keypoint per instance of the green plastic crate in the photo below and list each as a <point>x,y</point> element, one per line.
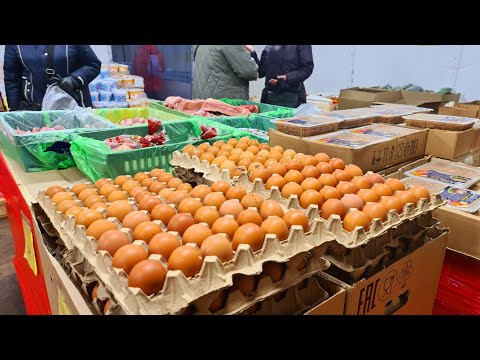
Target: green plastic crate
<point>96,160</point>
<point>31,150</point>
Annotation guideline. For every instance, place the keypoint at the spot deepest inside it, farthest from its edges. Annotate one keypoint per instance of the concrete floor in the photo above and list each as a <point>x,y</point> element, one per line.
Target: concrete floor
<point>11,300</point>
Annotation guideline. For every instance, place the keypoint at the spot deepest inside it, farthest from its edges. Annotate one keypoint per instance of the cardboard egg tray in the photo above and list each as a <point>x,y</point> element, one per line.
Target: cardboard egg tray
<point>213,276</point>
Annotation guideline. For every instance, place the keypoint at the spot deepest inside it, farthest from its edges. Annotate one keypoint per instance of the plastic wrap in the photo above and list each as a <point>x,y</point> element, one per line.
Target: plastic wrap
<point>57,99</point>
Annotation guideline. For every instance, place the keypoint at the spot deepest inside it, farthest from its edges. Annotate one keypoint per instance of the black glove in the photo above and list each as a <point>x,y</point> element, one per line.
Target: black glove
<point>69,84</point>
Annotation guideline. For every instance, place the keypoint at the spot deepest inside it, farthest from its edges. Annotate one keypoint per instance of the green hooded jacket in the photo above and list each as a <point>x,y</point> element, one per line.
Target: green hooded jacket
<point>222,71</point>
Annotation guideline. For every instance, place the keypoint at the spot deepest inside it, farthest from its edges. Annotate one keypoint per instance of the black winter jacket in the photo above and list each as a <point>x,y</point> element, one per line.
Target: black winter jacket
<point>24,71</point>
<point>294,61</point>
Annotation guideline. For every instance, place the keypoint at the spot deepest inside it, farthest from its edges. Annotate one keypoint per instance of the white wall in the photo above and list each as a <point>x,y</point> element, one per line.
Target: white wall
<point>432,67</point>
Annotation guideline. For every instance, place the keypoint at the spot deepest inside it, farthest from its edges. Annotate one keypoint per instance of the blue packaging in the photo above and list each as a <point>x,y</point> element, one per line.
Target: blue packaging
<point>105,95</point>
<point>105,85</point>
<point>104,73</point>
<point>93,86</point>
<point>94,95</point>
<point>120,96</point>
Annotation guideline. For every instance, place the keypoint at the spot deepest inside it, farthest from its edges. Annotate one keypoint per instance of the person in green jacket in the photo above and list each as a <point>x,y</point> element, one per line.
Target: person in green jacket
<point>222,71</point>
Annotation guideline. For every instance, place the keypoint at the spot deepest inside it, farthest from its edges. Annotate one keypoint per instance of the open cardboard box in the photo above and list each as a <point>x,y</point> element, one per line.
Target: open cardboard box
<point>471,110</point>
<point>335,304</point>
<point>450,145</point>
<point>464,227</point>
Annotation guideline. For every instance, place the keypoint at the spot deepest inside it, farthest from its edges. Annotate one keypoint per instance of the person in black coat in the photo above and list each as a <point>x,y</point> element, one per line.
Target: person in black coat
<point>285,68</point>
<point>26,79</point>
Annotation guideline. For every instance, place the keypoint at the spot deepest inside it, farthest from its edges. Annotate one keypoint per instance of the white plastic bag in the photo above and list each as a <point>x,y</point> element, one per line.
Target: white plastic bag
<point>307,110</point>
<point>57,99</point>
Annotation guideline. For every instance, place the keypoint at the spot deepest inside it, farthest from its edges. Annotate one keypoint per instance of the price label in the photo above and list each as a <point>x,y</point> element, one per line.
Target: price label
<point>29,253</point>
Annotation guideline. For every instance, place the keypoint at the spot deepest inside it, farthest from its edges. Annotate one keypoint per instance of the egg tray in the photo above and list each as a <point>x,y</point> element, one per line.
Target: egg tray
<point>235,301</point>
<point>213,276</point>
<point>296,300</point>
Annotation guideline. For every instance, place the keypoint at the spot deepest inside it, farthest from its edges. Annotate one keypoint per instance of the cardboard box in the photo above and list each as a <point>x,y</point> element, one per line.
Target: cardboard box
<point>450,145</point>
<point>335,304</point>
<point>407,287</point>
<point>464,110</point>
<point>374,157</point>
<point>470,159</point>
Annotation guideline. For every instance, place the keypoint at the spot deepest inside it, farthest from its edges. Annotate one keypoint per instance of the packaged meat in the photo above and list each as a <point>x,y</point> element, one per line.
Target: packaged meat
<point>440,122</point>
<point>448,173</point>
<point>388,131</point>
<point>305,126</point>
<point>348,139</point>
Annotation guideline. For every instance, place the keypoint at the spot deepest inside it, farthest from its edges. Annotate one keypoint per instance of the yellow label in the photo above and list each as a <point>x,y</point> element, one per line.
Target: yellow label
<point>62,307</point>
<point>29,249</point>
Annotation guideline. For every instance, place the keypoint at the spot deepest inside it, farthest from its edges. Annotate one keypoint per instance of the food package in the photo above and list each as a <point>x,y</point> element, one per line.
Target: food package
<point>440,122</point>
<point>348,139</point>
<point>307,125</point>
<point>382,130</point>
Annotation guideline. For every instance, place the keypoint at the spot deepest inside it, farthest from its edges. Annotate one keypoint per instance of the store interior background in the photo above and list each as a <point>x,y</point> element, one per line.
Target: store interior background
<point>342,66</point>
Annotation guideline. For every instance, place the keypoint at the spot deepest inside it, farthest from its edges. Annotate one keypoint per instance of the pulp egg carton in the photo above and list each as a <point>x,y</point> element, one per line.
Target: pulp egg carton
<point>214,275</point>
<point>230,301</point>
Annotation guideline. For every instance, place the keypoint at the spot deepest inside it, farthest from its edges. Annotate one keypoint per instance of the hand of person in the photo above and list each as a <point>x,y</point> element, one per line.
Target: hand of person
<point>249,48</point>
<point>68,84</point>
<point>273,82</point>
<point>282,77</point>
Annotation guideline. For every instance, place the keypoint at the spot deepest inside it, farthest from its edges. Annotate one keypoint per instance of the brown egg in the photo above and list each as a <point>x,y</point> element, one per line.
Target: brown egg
<point>328,180</point>
<point>290,153</point>
<point>346,187</point>
<point>382,189</point>
<point>294,165</point>
<point>249,216</point>
<point>236,151</point>
<point>99,183</point>
<point>156,172</point>
<point>107,307</point>
<point>119,209</point>
<point>163,244</point>
<point>322,157</point>
<point>204,146</point>
<point>225,225</point>
<point>224,154</point>
<point>177,197</point>
<point>361,182</point>
<point>271,208</point>
<point>299,156</point>
<point>231,207</point>
<point>392,203</point>
<point>165,177</point>
<point>255,165</point>
<point>261,159</point>
<point>196,234</point>
<point>354,219</point>
<point>406,197</point>
<point>218,143</point>
<point>95,292</point>
<point>163,212</point>
<point>214,199</point>
<point>308,160</point>
<point>220,186</point>
<point>148,275</point>
<point>147,182</point>
<point>174,183</point>
<point>128,256</point>
<point>220,160</point>
<point>353,170</point>
<point>189,205</point>
<point>135,192</point>
<point>98,227</point>
<point>148,203</point>
<point>245,163</point>
<point>236,172</point>
<point>117,195</point>
<point>187,187</point>
<point>219,246</point>
<point>310,197</point>
<point>157,186</point>
<point>368,195</point>
<point>206,214</point>
<point>394,184</point>
<point>74,211</point>
<point>235,192</point>
<point>419,191</point>
<point>325,168</point>
<point>246,284</point>
<point>226,147</point>
<point>311,183</point>
<point>330,192</point>
<point>208,157</point>
<point>92,199</point>
<point>88,216</point>
<point>274,270</point>
<point>337,163</point>
<point>214,150</point>
<point>375,178</point>
<point>165,193</point>
<point>275,225</point>
<point>332,206</point>
<point>77,188</point>
<point>61,196</point>
<point>294,176</point>
<point>146,230</point>
<point>99,205</point>
<point>275,180</point>
<point>290,189</point>
<point>278,148</point>
<point>247,155</point>
<point>65,205</point>
<point>134,218</point>
<point>260,173</point>
<point>252,200</point>
<point>180,223</point>
<point>250,234</point>
<point>107,189</point>
<point>296,217</point>
<point>284,160</point>
<point>275,155</point>
<point>52,190</point>
<point>121,179</point>
<point>112,240</point>
<point>186,259</point>
<point>264,146</point>
<point>140,176</point>
<point>352,201</point>
<point>375,210</point>
<point>189,149</point>
<point>200,192</point>
<point>129,185</point>
<point>341,175</point>
<point>311,172</point>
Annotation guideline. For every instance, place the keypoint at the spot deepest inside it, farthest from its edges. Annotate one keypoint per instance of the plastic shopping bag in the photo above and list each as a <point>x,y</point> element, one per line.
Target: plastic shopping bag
<point>57,99</point>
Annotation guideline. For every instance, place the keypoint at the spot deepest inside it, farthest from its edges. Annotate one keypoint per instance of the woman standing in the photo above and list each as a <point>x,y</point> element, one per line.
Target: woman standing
<point>285,68</point>
<point>29,69</point>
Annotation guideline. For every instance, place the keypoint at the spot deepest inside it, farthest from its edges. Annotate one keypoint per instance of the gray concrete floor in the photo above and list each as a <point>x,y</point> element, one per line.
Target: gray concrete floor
<point>11,300</point>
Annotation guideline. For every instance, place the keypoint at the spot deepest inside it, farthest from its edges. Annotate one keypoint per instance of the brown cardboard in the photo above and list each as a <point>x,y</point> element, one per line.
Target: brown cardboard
<point>374,157</point>
<point>334,305</point>
<point>407,287</point>
<point>470,159</point>
<point>464,110</point>
<point>357,97</point>
<point>452,144</point>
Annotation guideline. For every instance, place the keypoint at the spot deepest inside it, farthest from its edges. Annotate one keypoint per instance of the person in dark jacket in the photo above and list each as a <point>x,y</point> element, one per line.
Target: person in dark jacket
<point>25,73</point>
<point>285,68</point>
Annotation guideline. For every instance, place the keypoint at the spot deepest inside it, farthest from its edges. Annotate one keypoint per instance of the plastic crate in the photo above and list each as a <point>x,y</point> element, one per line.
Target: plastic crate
<point>34,152</point>
<point>96,160</point>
